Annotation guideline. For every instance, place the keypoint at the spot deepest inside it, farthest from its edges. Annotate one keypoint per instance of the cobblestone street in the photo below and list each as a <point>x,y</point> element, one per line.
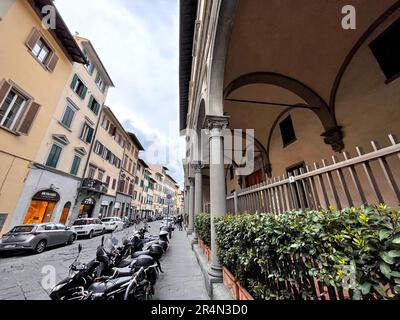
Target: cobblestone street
<point>21,275</point>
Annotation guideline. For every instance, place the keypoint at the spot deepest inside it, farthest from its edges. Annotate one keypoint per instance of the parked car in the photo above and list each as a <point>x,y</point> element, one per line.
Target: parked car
<point>113,223</point>
<point>88,227</point>
<point>37,237</point>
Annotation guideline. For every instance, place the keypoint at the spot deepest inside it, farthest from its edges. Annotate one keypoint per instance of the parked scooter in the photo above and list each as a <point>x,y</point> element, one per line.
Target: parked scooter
<point>80,278</point>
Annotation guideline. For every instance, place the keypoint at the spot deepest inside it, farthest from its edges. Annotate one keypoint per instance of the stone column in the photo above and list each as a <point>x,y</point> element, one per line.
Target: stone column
<point>191,206</point>
<point>198,191</point>
<point>216,125</point>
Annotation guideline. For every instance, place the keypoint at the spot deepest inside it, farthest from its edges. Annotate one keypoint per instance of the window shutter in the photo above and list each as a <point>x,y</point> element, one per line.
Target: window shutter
<point>90,102</point>
<point>30,116</point>
<point>84,91</point>
<point>51,64</point>
<point>90,135</point>
<point>97,108</point>
<point>91,69</point>
<point>4,90</point>
<point>74,81</point>
<point>33,38</point>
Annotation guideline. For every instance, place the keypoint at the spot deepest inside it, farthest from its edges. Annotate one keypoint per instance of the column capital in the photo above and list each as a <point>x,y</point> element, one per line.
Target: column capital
<point>334,137</point>
<point>197,167</point>
<point>216,122</point>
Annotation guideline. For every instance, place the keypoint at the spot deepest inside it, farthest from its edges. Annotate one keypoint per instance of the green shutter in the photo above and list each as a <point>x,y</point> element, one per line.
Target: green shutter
<point>90,102</point>
<point>90,135</point>
<point>97,108</point>
<point>84,91</point>
<point>74,81</point>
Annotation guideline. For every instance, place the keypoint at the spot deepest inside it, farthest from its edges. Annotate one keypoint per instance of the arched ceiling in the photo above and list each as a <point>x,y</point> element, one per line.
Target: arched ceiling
<point>302,39</point>
<point>257,116</point>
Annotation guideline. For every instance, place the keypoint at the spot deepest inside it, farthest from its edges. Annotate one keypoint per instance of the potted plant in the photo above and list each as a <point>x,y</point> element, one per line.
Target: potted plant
<point>243,294</point>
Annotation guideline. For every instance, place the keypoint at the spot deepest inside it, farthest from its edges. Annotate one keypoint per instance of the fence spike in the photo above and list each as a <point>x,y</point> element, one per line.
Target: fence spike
<point>346,155</point>
<point>375,145</point>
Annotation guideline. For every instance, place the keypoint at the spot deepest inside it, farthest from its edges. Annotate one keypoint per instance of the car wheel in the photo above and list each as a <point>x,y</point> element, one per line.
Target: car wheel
<point>40,247</point>
<point>71,239</point>
<point>90,236</point>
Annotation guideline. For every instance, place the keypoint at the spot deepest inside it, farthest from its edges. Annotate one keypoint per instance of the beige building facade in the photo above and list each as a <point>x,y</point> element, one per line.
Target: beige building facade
<point>35,65</point>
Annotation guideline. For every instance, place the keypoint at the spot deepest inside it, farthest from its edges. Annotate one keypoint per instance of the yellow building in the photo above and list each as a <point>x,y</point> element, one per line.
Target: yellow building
<point>140,189</point>
<point>35,65</point>
<point>60,162</point>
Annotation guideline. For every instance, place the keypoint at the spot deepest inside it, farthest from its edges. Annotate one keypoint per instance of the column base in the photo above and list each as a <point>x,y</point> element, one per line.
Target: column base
<point>215,272</point>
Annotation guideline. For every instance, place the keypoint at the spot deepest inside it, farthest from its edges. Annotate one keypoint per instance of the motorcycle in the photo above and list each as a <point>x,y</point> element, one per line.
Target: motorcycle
<point>80,278</point>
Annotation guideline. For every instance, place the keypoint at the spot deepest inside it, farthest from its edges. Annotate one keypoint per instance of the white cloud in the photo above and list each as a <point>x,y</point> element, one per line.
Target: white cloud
<point>137,41</point>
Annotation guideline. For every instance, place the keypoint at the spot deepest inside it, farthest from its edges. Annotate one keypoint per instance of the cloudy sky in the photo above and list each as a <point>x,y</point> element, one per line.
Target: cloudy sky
<point>137,41</point>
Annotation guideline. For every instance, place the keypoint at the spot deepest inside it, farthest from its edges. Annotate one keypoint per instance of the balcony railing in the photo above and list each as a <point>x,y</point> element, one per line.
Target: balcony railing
<point>367,178</point>
<point>94,186</point>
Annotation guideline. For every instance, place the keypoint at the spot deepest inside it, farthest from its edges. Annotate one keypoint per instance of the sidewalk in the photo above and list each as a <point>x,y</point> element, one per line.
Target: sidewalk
<point>182,278</point>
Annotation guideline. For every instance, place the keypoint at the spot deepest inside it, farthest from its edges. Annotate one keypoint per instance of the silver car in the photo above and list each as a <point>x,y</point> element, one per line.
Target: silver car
<point>36,237</point>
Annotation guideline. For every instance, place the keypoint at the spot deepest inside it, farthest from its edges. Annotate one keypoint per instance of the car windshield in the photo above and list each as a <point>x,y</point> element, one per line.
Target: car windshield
<point>106,219</point>
<point>22,229</point>
<point>80,222</point>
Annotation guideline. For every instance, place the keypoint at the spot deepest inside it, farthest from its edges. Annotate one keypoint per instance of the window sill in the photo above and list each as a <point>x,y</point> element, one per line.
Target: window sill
<point>289,143</point>
<point>64,126</point>
<point>15,133</point>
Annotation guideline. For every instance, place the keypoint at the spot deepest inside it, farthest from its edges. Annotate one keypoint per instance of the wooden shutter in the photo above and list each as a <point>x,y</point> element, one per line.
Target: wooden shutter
<point>4,90</point>
<point>51,64</point>
<point>74,81</point>
<point>33,38</point>
<point>30,116</point>
<point>90,135</point>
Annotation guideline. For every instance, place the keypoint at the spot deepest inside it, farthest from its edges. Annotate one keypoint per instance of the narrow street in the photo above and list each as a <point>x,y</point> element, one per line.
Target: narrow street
<point>21,275</point>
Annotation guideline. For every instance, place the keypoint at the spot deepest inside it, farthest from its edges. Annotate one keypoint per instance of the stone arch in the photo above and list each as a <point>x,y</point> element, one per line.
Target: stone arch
<point>333,134</point>
<point>226,16</point>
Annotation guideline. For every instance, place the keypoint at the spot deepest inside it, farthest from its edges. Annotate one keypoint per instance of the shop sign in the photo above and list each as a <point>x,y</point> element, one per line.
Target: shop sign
<point>47,195</point>
<point>89,202</point>
<point>104,203</point>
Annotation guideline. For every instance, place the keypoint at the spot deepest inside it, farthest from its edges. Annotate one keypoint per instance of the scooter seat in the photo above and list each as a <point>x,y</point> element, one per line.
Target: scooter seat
<point>124,263</point>
<point>124,272</point>
<point>109,285</point>
<point>140,253</point>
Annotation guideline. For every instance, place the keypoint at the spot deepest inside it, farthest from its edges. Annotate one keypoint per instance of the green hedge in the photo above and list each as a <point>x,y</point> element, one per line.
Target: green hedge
<point>202,226</point>
<point>263,251</point>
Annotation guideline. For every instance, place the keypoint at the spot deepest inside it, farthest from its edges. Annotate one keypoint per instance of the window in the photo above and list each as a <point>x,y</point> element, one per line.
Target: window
<point>87,133</point>
<point>98,148</point>
<point>105,123</point>
<point>386,50</point>
<point>108,181</point>
<point>92,171</point>
<point>68,116</point>
<point>78,87</point>
<point>100,83</point>
<point>287,131</point>
<point>75,165</point>
<point>100,175</point>
<point>94,105</point>
<point>90,66</point>
<point>41,51</point>
<point>12,109</point>
<point>54,156</point>
<point>114,184</point>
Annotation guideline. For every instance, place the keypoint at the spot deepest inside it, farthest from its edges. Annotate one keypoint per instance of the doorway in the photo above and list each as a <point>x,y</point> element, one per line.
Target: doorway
<point>87,208</point>
<point>42,207</point>
<point>300,190</point>
<point>65,213</point>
